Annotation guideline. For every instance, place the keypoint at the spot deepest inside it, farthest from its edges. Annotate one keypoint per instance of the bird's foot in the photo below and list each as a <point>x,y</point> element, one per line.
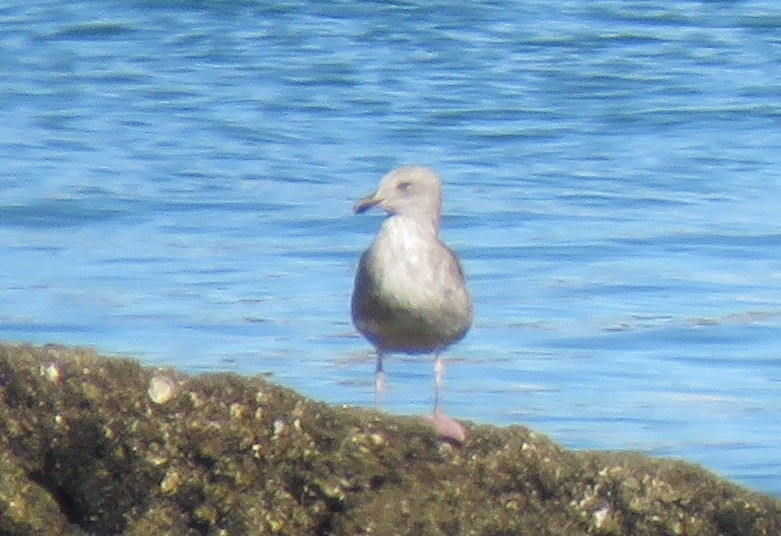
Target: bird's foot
<point>446,427</point>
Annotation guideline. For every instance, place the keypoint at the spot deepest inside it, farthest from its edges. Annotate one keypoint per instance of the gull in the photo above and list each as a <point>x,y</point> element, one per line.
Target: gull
<point>410,293</point>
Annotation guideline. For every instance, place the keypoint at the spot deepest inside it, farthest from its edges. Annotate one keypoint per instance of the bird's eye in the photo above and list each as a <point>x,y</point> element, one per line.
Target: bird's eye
<point>404,186</point>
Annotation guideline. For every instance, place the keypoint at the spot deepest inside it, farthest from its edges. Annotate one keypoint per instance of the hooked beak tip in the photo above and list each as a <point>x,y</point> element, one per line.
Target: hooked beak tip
<point>365,204</point>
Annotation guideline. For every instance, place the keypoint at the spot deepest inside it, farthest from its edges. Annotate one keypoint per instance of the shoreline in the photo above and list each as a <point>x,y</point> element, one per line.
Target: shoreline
<point>104,445</point>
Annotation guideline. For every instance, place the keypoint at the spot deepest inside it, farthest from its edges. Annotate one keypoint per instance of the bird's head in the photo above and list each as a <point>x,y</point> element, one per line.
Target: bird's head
<point>409,190</point>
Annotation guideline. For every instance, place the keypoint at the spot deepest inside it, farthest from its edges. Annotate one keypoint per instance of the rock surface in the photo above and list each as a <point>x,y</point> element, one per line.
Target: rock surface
<point>104,446</point>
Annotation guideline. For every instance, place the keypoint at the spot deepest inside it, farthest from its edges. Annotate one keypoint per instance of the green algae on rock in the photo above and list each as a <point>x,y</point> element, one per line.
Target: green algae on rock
<point>97,445</point>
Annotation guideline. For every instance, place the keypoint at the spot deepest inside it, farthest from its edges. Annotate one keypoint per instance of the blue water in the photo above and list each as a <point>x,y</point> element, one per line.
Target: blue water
<point>176,183</point>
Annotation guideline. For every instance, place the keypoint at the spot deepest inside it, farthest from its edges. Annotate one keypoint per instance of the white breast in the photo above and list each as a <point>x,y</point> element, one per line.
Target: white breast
<point>414,262</point>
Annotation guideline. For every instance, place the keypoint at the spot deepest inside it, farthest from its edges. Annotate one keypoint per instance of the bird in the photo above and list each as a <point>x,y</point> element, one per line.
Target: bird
<point>410,293</point>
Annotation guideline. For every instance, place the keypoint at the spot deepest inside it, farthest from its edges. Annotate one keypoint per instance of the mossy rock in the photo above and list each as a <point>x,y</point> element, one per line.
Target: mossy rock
<point>93,445</point>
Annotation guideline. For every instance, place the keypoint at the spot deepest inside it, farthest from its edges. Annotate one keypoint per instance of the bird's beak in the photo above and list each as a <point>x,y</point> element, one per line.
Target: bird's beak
<point>366,203</point>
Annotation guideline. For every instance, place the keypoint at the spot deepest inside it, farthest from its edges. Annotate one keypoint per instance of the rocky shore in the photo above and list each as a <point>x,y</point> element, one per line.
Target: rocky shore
<point>93,445</point>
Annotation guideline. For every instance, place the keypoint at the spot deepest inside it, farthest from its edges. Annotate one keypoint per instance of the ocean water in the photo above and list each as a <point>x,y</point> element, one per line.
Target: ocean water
<point>176,184</point>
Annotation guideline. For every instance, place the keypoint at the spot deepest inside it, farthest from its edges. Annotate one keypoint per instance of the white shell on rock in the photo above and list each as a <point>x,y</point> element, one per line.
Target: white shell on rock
<point>162,389</point>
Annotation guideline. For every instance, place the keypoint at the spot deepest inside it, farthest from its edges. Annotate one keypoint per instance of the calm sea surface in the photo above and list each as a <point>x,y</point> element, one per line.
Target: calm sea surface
<point>176,184</point>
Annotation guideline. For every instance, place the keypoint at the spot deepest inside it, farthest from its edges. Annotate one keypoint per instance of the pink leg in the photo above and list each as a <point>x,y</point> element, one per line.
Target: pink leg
<point>445,426</point>
<point>439,380</point>
<point>379,381</point>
